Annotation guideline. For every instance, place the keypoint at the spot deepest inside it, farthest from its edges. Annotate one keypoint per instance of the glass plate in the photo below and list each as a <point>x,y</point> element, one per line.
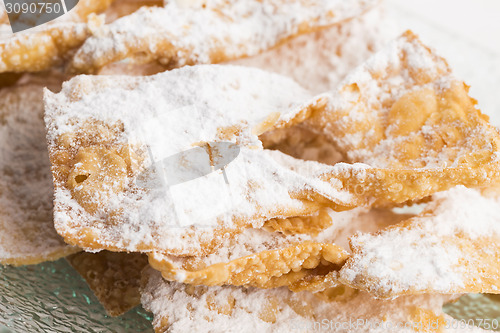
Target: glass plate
<point>53,297</point>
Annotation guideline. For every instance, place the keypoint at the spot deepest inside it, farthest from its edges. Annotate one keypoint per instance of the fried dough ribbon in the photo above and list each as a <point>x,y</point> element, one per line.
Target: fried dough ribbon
<point>136,160</point>
<point>208,32</point>
<point>27,234</point>
<point>451,247</point>
<point>177,307</point>
<point>49,44</point>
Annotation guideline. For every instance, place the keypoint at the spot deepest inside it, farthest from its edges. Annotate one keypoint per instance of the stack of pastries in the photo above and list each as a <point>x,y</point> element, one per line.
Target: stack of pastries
<point>242,165</point>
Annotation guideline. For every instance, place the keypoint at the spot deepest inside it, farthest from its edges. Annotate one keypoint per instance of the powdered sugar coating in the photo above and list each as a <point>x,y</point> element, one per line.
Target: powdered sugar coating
<point>47,45</point>
<point>27,235</point>
<point>320,60</point>
<point>210,32</point>
<point>252,241</point>
<point>205,98</point>
<point>170,113</point>
<point>177,308</point>
<point>404,65</point>
<point>425,254</point>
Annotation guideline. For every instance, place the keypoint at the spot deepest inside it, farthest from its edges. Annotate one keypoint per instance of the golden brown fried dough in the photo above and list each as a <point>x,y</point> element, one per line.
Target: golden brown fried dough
<point>49,44</point>
<point>451,247</point>
<point>412,123</point>
<point>208,32</point>
<point>177,307</point>
<point>109,136</point>
<point>27,234</point>
<point>291,253</point>
<point>113,277</point>
<point>319,60</point>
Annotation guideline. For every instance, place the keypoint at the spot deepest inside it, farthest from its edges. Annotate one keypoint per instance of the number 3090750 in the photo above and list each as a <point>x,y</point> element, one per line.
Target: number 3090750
<point>33,8</point>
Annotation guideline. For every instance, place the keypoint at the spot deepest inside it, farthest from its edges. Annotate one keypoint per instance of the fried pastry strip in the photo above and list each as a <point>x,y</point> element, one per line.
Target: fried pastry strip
<point>106,155</point>
<point>27,234</point>
<point>412,123</point>
<point>177,307</point>
<point>113,277</point>
<point>321,59</point>
<point>47,45</point>
<point>451,247</point>
<point>209,32</point>
<point>302,255</point>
